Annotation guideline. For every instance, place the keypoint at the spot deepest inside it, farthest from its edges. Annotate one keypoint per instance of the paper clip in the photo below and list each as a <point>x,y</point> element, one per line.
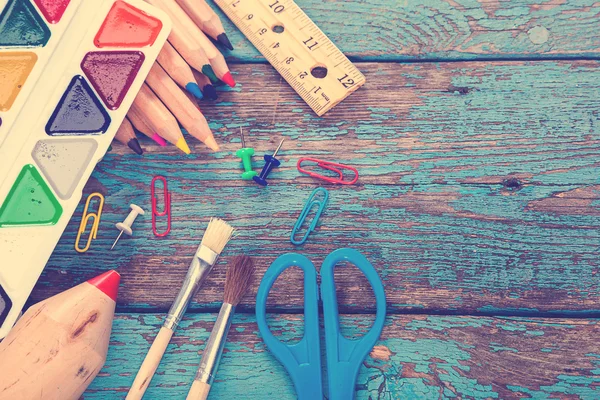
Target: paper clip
<point>330,166</point>
<point>304,213</point>
<point>84,220</point>
<point>166,207</point>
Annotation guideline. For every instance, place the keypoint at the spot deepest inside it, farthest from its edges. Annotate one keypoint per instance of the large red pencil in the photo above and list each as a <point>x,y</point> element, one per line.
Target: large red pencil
<point>59,345</point>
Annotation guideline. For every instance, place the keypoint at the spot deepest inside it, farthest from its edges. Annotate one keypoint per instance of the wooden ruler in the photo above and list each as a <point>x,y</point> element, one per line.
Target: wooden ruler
<point>317,70</point>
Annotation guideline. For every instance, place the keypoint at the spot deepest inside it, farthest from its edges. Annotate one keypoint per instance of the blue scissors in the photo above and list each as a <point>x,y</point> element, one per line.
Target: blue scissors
<point>344,356</point>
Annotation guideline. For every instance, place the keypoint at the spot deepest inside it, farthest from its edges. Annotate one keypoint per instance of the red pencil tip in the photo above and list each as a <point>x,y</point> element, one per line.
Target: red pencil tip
<point>108,282</point>
<point>228,79</point>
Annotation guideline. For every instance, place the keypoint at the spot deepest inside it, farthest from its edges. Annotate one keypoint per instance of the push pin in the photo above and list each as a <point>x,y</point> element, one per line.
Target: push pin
<point>125,226</point>
<point>270,163</point>
<point>246,153</point>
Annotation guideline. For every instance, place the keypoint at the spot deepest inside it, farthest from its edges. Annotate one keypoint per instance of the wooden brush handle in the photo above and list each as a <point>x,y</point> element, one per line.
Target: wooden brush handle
<point>150,364</point>
<point>198,391</point>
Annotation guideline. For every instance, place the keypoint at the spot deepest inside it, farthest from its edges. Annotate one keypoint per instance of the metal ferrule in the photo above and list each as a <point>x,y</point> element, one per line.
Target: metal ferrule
<point>201,265</point>
<point>214,347</point>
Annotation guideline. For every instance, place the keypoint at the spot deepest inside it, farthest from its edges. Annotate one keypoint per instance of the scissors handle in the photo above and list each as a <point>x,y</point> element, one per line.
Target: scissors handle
<point>303,359</point>
<point>344,356</point>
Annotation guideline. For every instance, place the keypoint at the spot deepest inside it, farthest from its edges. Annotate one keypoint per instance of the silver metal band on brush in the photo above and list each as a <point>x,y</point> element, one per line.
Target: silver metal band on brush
<point>200,267</point>
<point>214,347</point>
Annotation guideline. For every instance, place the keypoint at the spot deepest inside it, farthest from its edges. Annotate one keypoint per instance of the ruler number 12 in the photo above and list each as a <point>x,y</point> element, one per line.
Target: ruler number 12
<point>277,8</point>
<point>346,82</point>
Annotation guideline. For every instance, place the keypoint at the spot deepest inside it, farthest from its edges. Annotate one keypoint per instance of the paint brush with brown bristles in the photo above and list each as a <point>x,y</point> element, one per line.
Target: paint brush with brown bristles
<point>214,241</point>
<point>237,282</point>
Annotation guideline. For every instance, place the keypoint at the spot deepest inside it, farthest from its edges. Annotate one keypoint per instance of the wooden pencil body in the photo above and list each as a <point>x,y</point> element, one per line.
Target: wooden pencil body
<point>175,65</point>
<point>157,115</point>
<point>203,16</point>
<point>125,132</point>
<point>182,40</point>
<point>187,113</point>
<point>58,347</point>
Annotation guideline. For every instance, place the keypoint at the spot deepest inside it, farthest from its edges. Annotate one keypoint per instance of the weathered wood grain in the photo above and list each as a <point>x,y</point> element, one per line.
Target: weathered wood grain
<point>489,208</point>
<point>447,123</point>
<point>448,30</point>
<point>437,248</point>
<point>418,357</point>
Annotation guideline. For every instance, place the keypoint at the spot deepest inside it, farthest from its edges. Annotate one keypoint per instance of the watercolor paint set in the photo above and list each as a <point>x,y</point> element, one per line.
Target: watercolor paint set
<point>69,71</point>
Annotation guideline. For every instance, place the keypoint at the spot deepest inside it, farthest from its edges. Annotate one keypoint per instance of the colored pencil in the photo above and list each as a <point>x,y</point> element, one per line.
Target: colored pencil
<point>208,90</point>
<point>178,69</point>
<point>184,42</point>
<point>159,117</point>
<point>141,126</point>
<point>60,344</point>
<point>187,113</point>
<point>216,59</point>
<point>204,16</point>
<point>126,135</point>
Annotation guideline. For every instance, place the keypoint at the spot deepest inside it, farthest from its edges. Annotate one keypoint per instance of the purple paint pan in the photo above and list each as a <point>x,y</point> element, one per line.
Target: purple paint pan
<point>111,73</point>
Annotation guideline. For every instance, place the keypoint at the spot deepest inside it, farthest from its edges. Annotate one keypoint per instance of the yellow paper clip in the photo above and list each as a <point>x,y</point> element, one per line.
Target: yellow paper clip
<point>84,220</point>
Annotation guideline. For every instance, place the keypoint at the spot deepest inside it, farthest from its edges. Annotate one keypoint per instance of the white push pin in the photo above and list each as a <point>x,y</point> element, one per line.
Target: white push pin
<point>125,226</point>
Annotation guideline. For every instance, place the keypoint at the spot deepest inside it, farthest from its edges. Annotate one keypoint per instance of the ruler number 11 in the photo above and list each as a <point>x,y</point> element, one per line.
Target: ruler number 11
<point>310,43</point>
<point>277,8</point>
<point>346,82</point>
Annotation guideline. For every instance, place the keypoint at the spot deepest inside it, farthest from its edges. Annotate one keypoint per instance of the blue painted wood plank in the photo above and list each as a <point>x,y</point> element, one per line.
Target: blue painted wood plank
<point>403,30</point>
<point>489,208</point>
<point>422,357</point>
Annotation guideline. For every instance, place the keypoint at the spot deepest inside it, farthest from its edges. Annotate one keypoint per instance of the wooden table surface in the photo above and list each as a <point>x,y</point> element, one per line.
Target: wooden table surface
<point>477,138</point>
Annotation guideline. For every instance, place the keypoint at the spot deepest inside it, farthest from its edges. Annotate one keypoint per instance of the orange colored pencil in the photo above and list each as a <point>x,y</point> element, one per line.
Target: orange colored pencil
<point>159,117</point>
<point>204,16</point>
<point>187,113</point>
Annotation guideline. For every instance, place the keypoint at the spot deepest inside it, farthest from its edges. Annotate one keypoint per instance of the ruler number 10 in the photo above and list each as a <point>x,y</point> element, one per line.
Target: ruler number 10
<point>277,8</point>
<point>346,82</point>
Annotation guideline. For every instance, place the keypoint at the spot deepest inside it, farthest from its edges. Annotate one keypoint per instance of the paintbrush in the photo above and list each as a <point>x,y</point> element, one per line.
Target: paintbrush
<point>214,241</point>
<point>237,282</point>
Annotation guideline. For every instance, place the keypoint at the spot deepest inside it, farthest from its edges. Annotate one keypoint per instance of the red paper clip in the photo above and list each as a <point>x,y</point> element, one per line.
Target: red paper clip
<point>330,166</point>
<point>166,208</point>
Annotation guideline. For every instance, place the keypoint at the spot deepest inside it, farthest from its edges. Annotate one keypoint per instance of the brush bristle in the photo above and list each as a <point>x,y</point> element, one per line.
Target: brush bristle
<point>217,235</point>
<point>238,279</point>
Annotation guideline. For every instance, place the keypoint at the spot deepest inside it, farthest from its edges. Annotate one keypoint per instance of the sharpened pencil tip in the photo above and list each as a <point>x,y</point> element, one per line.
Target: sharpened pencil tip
<point>135,146</point>
<point>183,146</point>
<point>208,71</point>
<point>224,40</point>
<point>228,79</point>
<point>194,89</point>
<point>210,93</point>
<point>108,283</point>
<point>212,143</point>
<point>162,142</point>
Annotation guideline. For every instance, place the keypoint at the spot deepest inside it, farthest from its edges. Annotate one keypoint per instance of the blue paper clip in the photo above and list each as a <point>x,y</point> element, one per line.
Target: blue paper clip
<point>307,207</point>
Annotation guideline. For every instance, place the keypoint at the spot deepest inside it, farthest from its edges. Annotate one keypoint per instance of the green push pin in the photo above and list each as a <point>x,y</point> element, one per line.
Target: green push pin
<point>246,153</point>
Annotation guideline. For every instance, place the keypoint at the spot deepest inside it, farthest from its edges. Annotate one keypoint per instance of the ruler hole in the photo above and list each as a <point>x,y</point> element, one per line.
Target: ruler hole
<point>278,29</point>
<point>319,72</point>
